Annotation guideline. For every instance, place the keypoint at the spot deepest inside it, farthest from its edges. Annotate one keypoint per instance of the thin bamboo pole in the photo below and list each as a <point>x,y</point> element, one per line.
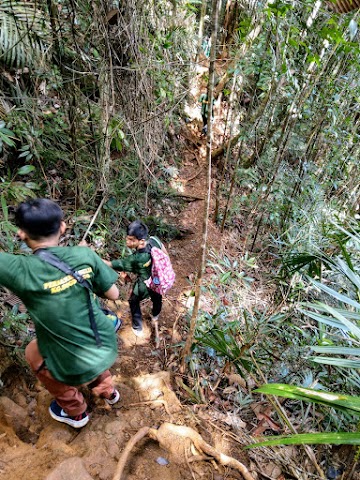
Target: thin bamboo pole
<point>210,94</point>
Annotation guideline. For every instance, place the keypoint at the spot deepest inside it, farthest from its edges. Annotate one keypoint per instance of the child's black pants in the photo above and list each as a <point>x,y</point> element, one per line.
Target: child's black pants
<point>134,302</point>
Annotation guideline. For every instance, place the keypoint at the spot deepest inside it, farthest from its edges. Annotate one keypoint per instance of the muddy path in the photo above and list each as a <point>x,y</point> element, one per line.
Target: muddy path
<point>35,447</point>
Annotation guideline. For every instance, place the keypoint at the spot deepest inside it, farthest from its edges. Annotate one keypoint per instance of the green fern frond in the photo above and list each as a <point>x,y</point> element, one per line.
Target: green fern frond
<point>24,33</point>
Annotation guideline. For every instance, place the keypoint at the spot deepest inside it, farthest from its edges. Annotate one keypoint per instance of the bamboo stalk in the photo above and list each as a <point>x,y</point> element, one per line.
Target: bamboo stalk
<point>190,336</point>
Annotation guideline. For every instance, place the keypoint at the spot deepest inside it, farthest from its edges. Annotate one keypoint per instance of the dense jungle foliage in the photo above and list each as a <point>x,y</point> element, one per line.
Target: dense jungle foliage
<point>94,97</point>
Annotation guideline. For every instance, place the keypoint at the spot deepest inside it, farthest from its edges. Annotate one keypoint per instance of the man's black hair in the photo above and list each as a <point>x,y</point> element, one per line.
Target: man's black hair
<point>138,230</point>
<point>39,217</point>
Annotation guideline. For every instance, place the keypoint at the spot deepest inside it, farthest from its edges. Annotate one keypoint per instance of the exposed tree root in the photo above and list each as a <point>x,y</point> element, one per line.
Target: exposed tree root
<point>129,446</point>
<point>158,401</point>
<point>183,443</point>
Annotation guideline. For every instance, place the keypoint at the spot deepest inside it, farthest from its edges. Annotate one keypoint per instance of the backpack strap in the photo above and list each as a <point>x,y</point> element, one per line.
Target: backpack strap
<point>155,242</point>
<point>53,260</point>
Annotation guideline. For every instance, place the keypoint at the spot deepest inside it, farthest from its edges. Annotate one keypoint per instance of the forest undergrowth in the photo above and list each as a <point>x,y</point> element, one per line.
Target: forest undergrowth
<point>246,336</point>
<point>99,110</point>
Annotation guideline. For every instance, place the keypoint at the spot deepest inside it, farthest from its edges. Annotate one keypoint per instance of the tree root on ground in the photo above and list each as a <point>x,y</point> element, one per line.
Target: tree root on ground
<point>184,443</point>
<point>157,401</point>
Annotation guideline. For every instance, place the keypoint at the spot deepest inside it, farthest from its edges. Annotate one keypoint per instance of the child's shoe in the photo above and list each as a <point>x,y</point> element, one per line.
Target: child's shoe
<point>57,413</point>
<point>114,397</point>
<point>138,333</point>
<point>117,324</point>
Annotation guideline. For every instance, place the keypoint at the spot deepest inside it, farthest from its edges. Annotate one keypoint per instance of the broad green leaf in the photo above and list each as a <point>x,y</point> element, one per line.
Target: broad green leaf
<point>225,277</point>
<point>32,185</point>
<point>6,139</point>
<point>336,438</point>
<point>347,403</point>
<point>353,27</point>
<point>4,208</point>
<point>25,169</point>
<point>7,132</point>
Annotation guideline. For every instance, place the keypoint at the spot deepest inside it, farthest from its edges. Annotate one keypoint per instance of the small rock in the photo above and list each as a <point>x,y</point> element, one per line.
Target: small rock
<point>332,472</point>
<point>20,399</point>
<point>113,428</point>
<point>70,468</point>
<point>162,461</point>
<point>13,415</point>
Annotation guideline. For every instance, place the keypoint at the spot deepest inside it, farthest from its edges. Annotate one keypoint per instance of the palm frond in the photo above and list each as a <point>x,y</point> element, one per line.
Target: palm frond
<point>337,350</point>
<point>338,296</point>
<point>346,403</point>
<point>336,438</point>
<point>336,362</point>
<point>24,33</point>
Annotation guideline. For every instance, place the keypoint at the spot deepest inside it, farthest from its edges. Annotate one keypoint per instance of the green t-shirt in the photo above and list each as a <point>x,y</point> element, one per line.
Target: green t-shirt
<point>58,306</point>
<point>139,263</point>
<point>205,105</point>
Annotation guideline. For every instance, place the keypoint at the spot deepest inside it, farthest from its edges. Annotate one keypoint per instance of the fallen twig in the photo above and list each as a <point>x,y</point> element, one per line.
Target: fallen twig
<point>194,176</point>
<point>189,198</point>
<point>93,219</point>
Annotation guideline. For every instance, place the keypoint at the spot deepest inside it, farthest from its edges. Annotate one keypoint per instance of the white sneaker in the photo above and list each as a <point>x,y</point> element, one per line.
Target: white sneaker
<point>114,398</point>
<point>138,333</point>
<point>57,413</point>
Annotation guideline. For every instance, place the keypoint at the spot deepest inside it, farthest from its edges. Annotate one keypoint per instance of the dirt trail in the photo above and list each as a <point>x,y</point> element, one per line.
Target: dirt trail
<point>35,447</point>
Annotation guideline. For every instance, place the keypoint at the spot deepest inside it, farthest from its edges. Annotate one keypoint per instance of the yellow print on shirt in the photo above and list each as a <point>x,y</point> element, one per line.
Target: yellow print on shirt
<point>66,282</point>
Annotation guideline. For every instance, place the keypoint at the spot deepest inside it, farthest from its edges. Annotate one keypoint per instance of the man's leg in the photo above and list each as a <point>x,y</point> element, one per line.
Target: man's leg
<point>103,387</point>
<point>136,316</point>
<point>69,398</point>
<point>156,299</point>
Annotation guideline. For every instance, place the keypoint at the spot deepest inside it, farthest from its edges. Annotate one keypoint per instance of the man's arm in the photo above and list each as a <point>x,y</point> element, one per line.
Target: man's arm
<point>112,293</point>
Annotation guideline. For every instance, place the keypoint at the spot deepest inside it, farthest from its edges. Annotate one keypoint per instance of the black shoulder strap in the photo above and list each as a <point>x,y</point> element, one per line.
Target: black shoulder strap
<point>61,265</point>
<point>53,260</point>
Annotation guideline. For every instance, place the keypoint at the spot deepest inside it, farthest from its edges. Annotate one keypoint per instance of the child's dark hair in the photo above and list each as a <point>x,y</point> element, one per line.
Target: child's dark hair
<point>138,230</point>
<point>39,217</point>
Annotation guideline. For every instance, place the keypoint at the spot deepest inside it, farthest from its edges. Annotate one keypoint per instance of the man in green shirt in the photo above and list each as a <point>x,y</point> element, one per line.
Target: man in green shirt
<point>205,111</point>
<point>65,353</point>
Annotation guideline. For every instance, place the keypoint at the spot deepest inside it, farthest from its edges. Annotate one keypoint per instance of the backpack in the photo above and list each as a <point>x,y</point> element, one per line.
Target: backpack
<point>162,273</point>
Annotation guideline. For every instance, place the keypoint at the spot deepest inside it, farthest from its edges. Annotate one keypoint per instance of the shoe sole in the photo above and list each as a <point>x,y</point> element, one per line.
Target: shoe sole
<point>68,421</point>
<point>118,325</point>
<point>139,335</point>
<point>114,400</point>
